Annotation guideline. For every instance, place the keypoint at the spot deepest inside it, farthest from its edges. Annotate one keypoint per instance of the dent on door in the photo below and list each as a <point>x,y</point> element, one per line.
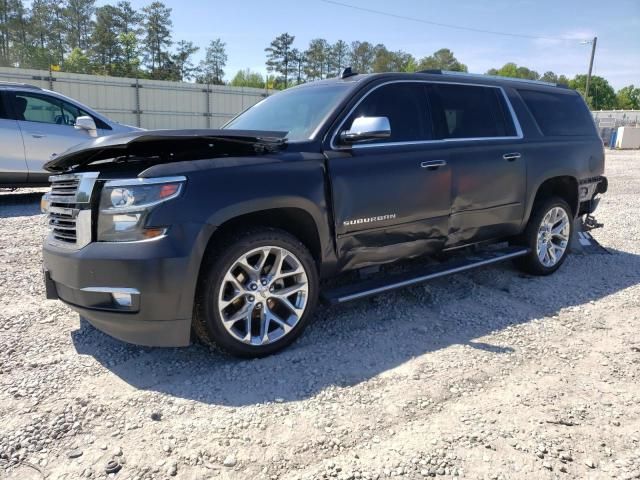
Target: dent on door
<point>388,208</point>
<point>385,245</point>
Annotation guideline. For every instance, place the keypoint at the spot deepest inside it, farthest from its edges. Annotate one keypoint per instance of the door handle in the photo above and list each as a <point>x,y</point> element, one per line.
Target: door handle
<point>510,157</point>
<point>433,164</point>
<point>38,135</point>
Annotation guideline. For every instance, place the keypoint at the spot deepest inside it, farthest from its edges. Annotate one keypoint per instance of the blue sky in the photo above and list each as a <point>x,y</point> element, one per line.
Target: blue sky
<point>248,26</point>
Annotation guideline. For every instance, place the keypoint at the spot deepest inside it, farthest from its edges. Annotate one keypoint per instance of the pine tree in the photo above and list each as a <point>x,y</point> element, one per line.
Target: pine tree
<point>279,56</point>
<point>157,38</point>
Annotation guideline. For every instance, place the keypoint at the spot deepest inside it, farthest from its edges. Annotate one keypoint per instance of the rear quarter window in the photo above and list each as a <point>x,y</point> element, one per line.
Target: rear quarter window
<point>559,114</point>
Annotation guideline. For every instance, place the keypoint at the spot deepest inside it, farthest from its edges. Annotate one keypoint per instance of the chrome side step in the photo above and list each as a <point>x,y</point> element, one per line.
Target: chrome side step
<point>391,282</point>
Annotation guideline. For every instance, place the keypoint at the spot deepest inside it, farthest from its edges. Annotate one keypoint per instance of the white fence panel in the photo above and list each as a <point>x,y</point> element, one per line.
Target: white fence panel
<point>149,104</point>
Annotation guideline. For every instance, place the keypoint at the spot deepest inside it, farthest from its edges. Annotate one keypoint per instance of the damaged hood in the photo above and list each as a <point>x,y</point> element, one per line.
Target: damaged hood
<point>168,146</point>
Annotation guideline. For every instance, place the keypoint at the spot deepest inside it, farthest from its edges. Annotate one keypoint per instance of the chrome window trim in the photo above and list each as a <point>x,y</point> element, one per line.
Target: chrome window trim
<point>519,135</point>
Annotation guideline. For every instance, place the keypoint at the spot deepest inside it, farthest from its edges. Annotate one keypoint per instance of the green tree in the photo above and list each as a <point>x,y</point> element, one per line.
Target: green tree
<point>361,56</point>
<point>77,62</point>
<point>183,66</point>
<point>212,67</point>
<point>318,59</point>
<point>339,56</point>
<point>78,21</point>
<point>514,71</point>
<point>13,32</point>
<point>443,59</point>
<point>157,38</point>
<point>279,56</point>
<point>130,65</point>
<point>46,31</point>
<point>107,49</point>
<point>387,61</point>
<point>130,19</point>
<point>247,78</point>
<point>298,62</point>
<point>628,98</point>
<point>601,94</point>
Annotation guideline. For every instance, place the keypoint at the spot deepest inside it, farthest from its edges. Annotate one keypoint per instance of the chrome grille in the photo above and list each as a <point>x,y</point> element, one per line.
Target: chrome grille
<point>62,222</point>
<point>64,190</point>
<point>70,209</point>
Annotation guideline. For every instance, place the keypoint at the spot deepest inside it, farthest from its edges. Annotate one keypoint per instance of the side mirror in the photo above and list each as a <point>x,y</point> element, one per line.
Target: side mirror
<point>367,128</point>
<point>86,123</point>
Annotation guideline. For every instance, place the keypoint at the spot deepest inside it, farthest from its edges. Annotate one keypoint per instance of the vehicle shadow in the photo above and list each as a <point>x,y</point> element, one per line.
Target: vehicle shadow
<point>20,204</point>
<point>352,343</point>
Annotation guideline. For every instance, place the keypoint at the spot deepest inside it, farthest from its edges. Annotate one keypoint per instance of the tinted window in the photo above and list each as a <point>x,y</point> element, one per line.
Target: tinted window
<point>33,107</point>
<point>467,111</point>
<point>3,110</point>
<point>298,111</point>
<point>404,104</point>
<point>559,113</point>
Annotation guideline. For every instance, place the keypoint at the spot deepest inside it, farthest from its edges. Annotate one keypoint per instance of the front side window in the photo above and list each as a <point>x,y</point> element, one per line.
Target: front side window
<point>33,107</point>
<point>298,111</point>
<point>469,111</point>
<point>404,104</point>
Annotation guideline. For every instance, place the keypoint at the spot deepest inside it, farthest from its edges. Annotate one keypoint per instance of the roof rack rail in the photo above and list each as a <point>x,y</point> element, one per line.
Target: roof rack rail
<point>494,77</point>
<point>17,84</point>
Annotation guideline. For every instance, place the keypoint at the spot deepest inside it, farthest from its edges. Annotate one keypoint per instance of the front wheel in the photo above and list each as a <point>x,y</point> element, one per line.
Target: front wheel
<point>547,235</point>
<point>257,294</point>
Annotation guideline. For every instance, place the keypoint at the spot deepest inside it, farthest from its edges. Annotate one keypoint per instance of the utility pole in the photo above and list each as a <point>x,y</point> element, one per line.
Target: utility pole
<point>593,53</point>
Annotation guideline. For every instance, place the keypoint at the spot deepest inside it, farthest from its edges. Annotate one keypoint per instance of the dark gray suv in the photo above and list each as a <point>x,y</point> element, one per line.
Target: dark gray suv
<point>228,233</point>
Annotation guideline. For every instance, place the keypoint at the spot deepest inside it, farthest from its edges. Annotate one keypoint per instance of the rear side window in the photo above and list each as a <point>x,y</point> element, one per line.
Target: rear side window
<point>469,111</point>
<point>559,113</point>
<point>405,105</point>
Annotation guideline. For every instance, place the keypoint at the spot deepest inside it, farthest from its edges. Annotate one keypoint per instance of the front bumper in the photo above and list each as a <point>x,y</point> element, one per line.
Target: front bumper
<point>138,292</point>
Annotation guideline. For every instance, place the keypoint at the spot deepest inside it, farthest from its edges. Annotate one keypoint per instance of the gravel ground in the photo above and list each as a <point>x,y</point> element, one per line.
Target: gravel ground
<point>491,374</point>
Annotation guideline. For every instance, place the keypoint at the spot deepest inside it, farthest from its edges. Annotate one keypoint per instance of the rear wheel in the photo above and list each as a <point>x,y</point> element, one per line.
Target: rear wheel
<point>548,235</point>
<point>257,295</point>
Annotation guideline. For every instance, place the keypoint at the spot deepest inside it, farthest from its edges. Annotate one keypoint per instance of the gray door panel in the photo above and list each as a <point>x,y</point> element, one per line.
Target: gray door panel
<point>41,140</point>
<point>13,167</point>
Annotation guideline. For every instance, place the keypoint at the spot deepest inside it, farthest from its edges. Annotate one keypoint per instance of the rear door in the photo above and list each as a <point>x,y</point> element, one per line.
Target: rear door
<point>391,197</point>
<point>484,147</point>
<point>13,167</point>
<point>47,125</point>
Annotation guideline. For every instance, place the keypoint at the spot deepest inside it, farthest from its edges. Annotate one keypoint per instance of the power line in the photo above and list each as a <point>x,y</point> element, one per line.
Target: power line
<point>438,24</point>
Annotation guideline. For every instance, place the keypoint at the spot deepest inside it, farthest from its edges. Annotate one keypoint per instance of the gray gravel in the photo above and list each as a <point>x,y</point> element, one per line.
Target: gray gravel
<point>491,374</point>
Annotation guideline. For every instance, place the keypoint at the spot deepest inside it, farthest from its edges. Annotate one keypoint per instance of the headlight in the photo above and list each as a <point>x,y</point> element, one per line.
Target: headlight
<point>125,206</point>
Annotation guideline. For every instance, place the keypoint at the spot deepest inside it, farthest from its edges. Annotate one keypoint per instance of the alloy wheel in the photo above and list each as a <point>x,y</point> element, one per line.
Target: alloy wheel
<point>263,295</point>
<point>553,236</point>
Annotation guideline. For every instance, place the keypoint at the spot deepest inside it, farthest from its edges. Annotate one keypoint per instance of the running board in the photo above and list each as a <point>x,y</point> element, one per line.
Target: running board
<point>391,282</point>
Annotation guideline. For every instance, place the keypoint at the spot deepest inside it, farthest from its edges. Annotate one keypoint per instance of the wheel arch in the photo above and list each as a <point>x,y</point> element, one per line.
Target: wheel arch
<point>563,186</point>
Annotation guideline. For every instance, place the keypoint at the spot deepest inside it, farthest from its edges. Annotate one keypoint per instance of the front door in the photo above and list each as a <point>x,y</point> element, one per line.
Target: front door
<point>47,128</point>
<point>13,167</point>
<point>391,197</point>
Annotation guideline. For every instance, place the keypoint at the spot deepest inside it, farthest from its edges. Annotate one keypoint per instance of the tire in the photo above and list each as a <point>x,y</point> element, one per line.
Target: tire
<point>540,261</point>
<point>240,314</point>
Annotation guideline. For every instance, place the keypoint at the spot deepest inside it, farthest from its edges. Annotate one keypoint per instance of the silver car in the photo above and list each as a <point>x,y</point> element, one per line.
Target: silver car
<point>35,124</point>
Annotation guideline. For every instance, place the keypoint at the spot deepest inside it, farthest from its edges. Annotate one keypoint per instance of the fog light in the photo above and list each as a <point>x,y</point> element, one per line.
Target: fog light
<point>45,203</point>
<point>122,299</point>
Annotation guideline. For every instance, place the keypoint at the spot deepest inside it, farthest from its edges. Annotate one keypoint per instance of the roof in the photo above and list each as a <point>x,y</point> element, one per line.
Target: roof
<point>5,85</point>
<point>437,76</point>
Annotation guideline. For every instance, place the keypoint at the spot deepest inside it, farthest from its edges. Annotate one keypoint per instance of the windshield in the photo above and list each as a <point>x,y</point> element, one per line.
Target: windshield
<point>298,111</point>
